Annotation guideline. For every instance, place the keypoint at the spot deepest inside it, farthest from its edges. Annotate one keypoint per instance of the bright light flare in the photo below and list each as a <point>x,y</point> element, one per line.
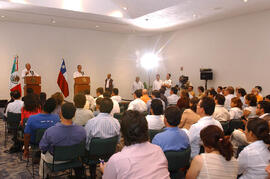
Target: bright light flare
<point>149,61</point>
<point>74,5</point>
<point>19,1</point>
<point>118,14</point>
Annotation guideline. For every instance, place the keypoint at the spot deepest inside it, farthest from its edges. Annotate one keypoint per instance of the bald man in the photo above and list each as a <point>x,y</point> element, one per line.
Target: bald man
<point>79,72</point>
<point>28,72</point>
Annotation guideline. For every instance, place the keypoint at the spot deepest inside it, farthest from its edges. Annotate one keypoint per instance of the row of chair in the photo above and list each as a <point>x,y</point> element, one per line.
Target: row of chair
<point>230,126</point>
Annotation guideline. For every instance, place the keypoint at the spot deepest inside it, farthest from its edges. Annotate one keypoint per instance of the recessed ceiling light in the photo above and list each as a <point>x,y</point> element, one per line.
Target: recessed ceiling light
<point>125,8</point>
<point>245,0</point>
<point>3,16</point>
<point>97,26</point>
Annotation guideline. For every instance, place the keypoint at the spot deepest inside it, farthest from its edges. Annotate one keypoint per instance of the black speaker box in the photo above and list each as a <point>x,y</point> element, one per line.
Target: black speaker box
<point>206,74</point>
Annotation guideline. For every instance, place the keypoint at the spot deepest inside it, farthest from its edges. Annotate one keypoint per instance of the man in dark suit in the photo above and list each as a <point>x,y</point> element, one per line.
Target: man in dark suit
<point>108,83</point>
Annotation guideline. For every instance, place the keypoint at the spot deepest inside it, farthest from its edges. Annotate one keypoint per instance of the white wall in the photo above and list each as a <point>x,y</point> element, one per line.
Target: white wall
<point>237,49</point>
<point>44,46</point>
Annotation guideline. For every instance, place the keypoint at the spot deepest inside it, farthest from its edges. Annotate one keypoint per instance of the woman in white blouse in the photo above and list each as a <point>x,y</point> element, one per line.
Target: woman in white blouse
<point>236,108</point>
<point>255,157</point>
<point>250,111</point>
<point>218,160</point>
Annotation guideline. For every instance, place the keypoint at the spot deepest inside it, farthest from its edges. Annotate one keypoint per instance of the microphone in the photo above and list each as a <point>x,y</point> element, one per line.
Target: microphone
<point>82,73</point>
<point>32,72</point>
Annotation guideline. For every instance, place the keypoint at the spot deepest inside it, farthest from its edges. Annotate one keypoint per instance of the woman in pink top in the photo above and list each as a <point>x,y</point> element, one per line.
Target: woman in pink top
<point>139,158</point>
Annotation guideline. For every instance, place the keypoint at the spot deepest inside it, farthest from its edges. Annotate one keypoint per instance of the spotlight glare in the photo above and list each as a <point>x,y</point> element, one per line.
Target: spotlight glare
<point>149,61</point>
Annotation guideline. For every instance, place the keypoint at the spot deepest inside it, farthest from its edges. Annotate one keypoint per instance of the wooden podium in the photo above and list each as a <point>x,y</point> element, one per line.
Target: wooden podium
<point>32,82</point>
<point>81,84</point>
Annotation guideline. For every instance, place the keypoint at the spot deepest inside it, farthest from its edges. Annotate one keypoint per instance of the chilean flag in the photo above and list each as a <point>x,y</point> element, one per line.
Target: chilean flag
<point>62,79</point>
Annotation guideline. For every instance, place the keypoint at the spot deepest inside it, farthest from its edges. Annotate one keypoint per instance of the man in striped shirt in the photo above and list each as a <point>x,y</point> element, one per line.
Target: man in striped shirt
<point>103,125</point>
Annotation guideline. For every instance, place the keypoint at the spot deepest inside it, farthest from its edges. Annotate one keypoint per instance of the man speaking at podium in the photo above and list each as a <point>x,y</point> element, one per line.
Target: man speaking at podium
<point>79,72</point>
<point>28,72</point>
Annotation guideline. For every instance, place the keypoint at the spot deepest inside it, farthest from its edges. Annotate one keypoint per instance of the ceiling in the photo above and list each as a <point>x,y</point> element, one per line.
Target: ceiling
<point>126,16</point>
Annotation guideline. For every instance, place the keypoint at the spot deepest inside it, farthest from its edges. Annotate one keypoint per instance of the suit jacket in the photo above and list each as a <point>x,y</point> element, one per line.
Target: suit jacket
<point>110,84</point>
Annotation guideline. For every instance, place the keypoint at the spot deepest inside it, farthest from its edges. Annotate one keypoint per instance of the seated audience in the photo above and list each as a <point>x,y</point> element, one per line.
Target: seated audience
<point>173,98</point>
<point>43,120</point>
<point>62,134</point>
<point>205,109</point>
<point>221,113</point>
<point>162,91</point>
<point>16,105</point>
<point>156,119</point>
<point>81,115</point>
<point>137,104</point>
<point>250,111</point>
<point>59,98</point>
<point>189,116</point>
<point>90,101</point>
<point>236,108</point>
<point>241,93</point>
<point>254,158</point>
<point>172,138</point>
<point>191,93</point>
<point>212,93</point>
<point>10,101</point>
<point>116,107</point>
<point>115,95</point>
<point>260,90</point>
<point>229,94</point>
<point>219,90</point>
<point>201,92</point>
<point>98,102</point>
<point>155,95</point>
<point>218,160</point>
<point>31,107</point>
<point>256,92</point>
<point>263,109</point>
<point>42,98</point>
<point>139,158</point>
<point>103,125</point>
<point>99,92</point>
<point>145,96</point>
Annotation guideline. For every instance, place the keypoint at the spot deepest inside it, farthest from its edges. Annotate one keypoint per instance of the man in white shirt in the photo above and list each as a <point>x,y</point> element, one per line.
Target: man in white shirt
<point>156,119</point>
<point>263,109</point>
<point>16,105</point>
<point>157,83</point>
<point>79,72</point>
<point>137,84</point>
<point>155,95</point>
<point>173,98</point>
<point>90,101</point>
<point>221,113</point>
<point>115,95</point>
<point>229,94</point>
<point>168,84</point>
<point>116,107</point>
<point>205,109</point>
<point>137,104</point>
<point>28,72</point>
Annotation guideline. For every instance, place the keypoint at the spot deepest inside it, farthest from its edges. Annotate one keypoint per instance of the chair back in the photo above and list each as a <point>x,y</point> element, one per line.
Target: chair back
<point>102,148</point>
<point>118,116</point>
<point>178,159</point>
<point>13,120</point>
<point>39,134</point>
<point>69,153</point>
<point>225,126</point>
<point>152,133</point>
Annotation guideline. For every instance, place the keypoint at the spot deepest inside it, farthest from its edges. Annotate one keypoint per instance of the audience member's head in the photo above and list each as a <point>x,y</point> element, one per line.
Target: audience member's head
<point>107,94</point>
<point>259,88</point>
<point>168,76</point>
<point>115,91</point>
<point>212,93</point>
<point>138,93</point>
<point>42,98</point>
<point>267,98</point>
<point>255,91</point>
<point>219,99</point>
<point>174,90</point>
<point>49,105</point>
<point>214,140</point>
<point>79,100</point>
<point>155,94</point>
<point>236,102</point>
<point>219,89</point>
<point>173,116</point>
<point>58,97</point>
<point>206,106</point>
<point>184,94</point>
<point>200,89</point>
<point>162,90</point>
<point>230,90</point>
<point>98,102</point>
<point>31,103</point>
<point>144,92</point>
<point>241,92</point>
<point>257,129</point>
<point>190,88</point>
<point>99,91</point>
<point>263,107</point>
<point>183,103</point>
<point>134,128</point>
<point>11,95</point>
<point>87,92</point>
<point>16,95</point>
<point>193,103</point>
<point>156,107</point>
<point>68,111</point>
<point>251,100</point>
<point>29,91</point>
<point>106,105</point>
